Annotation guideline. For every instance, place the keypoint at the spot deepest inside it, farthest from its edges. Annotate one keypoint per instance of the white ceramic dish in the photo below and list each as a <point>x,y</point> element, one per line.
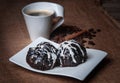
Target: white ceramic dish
<point>79,72</point>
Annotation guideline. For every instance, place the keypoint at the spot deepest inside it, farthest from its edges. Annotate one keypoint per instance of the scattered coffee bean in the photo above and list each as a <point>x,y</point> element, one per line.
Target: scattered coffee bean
<point>87,47</point>
<point>84,41</point>
<point>93,35</point>
<point>59,34</point>
<point>98,30</point>
<point>91,30</point>
<point>91,43</point>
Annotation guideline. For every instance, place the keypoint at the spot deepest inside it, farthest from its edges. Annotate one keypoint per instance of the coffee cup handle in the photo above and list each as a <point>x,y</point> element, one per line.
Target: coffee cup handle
<point>59,14</point>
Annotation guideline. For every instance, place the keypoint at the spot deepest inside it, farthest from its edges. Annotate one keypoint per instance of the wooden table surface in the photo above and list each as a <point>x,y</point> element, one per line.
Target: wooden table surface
<point>83,14</point>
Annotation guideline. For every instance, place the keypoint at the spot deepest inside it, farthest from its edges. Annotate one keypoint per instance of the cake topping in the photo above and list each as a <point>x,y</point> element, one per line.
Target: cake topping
<point>71,53</point>
<point>45,56</point>
<point>42,57</point>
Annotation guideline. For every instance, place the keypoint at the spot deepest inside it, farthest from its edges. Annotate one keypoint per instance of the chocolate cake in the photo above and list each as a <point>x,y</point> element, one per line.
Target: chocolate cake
<point>42,57</point>
<point>71,53</point>
<point>45,56</point>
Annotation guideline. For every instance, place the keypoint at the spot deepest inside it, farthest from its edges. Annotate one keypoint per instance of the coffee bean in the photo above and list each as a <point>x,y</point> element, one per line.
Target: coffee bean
<point>84,41</point>
<point>91,43</point>
<point>98,30</point>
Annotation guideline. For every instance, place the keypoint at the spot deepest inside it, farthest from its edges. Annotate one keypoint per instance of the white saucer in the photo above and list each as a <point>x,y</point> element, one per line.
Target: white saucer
<point>79,72</point>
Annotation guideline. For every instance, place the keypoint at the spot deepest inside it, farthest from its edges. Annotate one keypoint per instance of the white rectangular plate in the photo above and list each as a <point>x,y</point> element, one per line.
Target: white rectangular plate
<point>79,72</point>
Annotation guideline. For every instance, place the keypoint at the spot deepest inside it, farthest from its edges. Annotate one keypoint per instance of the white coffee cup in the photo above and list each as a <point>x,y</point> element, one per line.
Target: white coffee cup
<point>39,18</point>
